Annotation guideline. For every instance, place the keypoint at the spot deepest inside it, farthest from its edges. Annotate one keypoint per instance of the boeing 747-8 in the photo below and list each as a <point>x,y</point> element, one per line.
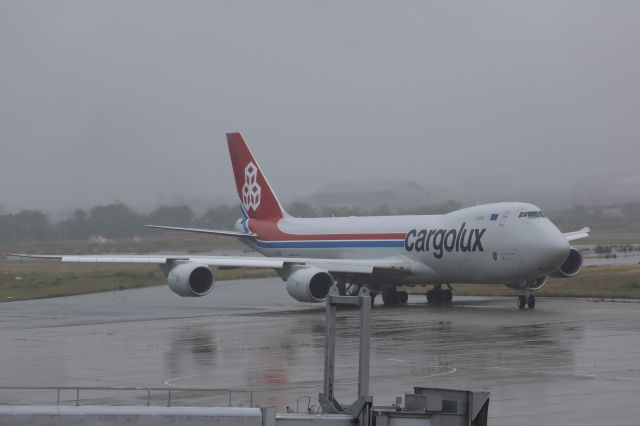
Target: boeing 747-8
<point>510,243</point>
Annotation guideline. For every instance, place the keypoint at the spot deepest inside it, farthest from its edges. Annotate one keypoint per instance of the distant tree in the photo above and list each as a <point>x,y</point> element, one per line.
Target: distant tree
<point>7,232</point>
<point>220,217</point>
<point>172,215</point>
<point>31,225</point>
<point>80,215</point>
<point>383,210</point>
<point>343,211</point>
<point>114,221</point>
<point>299,209</point>
<point>442,208</point>
<point>75,227</point>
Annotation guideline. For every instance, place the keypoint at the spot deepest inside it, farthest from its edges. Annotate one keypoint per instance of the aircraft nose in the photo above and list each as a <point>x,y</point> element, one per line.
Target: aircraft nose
<point>560,247</point>
<point>548,250</point>
<point>556,250</point>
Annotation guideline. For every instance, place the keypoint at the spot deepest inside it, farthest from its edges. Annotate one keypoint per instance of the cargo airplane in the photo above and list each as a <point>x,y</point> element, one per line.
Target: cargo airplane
<point>509,243</point>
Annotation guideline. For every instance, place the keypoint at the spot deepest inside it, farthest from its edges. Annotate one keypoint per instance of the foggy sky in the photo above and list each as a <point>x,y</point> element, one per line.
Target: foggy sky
<point>130,100</point>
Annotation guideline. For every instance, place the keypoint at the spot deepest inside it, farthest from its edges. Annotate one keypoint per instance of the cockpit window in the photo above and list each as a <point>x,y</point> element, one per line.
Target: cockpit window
<point>531,214</point>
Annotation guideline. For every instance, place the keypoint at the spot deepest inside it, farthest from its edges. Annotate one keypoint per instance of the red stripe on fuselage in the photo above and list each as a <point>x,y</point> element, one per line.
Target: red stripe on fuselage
<point>269,231</point>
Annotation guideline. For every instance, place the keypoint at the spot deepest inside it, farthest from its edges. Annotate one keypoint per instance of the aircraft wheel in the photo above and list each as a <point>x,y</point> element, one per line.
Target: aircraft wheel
<point>373,298</point>
<point>434,297</point>
<point>531,302</point>
<point>522,301</point>
<point>448,296</point>
<point>404,297</point>
<point>430,298</point>
<point>391,298</point>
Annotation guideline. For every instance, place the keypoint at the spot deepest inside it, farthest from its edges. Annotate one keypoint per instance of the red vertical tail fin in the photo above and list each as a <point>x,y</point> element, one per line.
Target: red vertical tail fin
<point>257,199</point>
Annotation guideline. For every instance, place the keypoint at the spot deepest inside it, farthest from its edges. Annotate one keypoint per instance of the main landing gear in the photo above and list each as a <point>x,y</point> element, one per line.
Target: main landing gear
<point>439,296</point>
<point>526,300</point>
<point>393,297</point>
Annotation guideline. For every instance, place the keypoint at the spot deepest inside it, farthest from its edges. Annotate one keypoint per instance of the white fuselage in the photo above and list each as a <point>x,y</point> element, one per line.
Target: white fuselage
<point>490,243</point>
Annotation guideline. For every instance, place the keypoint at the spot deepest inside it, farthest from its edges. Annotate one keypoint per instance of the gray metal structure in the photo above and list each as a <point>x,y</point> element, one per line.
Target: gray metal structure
<point>426,406</point>
<point>150,396</point>
<point>71,415</point>
<point>433,406</point>
<point>361,407</point>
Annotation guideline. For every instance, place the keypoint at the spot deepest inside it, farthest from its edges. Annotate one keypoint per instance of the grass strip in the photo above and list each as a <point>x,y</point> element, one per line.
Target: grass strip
<point>611,282</point>
<point>30,279</point>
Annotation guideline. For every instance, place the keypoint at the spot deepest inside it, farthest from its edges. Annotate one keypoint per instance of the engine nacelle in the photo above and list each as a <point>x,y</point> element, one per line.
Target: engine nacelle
<point>571,266</point>
<point>309,284</point>
<point>534,285</point>
<point>191,280</point>
<point>538,283</point>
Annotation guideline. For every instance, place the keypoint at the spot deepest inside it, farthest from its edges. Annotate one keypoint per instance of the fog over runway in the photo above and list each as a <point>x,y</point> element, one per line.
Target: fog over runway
<point>572,361</point>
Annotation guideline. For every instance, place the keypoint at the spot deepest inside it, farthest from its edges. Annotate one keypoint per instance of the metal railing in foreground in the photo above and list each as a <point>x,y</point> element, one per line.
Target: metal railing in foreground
<point>104,395</point>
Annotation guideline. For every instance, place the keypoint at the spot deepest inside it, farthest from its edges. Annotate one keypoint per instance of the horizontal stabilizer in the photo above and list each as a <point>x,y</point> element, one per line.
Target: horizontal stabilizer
<point>205,231</point>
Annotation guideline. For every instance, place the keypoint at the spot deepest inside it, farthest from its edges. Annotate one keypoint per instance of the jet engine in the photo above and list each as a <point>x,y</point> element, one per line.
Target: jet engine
<point>536,284</point>
<point>571,265</point>
<point>190,280</point>
<point>309,284</point>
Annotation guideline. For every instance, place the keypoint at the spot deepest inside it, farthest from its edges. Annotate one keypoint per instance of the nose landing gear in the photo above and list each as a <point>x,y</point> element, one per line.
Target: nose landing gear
<point>526,300</point>
<point>531,302</point>
<point>522,302</point>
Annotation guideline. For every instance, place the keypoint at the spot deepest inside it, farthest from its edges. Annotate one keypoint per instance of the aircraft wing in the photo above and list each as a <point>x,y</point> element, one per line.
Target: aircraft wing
<point>578,235</point>
<point>356,266</point>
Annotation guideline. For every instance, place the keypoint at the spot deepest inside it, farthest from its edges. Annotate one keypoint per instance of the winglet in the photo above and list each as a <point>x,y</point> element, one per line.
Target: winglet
<point>257,199</point>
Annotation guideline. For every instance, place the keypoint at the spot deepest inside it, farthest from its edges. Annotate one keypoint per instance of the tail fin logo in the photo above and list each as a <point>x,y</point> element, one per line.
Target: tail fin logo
<point>256,197</point>
<point>251,189</point>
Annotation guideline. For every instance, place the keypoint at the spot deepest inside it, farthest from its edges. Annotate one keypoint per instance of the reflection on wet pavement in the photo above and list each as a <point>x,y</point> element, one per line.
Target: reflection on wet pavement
<point>569,361</point>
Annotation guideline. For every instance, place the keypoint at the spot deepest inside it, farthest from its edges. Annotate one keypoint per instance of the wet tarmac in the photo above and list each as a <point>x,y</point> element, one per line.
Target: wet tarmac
<point>566,362</point>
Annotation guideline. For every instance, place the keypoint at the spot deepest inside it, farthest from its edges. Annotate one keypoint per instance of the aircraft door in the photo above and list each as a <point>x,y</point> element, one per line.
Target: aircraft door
<point>505,216</point>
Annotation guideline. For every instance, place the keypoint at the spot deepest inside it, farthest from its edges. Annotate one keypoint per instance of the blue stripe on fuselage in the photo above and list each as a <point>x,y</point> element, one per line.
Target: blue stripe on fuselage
<point>330,244</point>
<point>244,212</point>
